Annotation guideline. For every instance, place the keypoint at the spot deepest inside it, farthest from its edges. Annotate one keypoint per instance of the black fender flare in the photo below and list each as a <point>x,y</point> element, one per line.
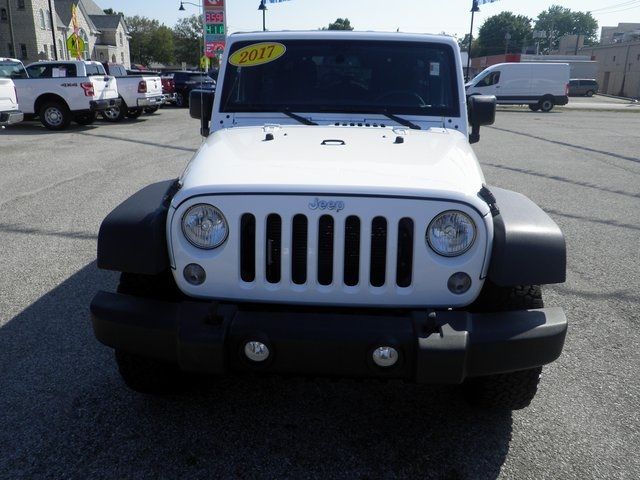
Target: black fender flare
<point>528,247</point>
<point>132,238</point>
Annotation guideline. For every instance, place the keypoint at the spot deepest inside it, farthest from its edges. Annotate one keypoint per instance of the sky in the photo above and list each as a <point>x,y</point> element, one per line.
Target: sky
<point>422,16</point>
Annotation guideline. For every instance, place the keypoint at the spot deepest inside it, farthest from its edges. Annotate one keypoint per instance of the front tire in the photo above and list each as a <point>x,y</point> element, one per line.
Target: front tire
<point>590,93</point>
<point>150,376</point>
<point>142,374</point>
<point>513,390</point>
<point>505,391</point>
<point>181,101</point>
<point>55,115</point>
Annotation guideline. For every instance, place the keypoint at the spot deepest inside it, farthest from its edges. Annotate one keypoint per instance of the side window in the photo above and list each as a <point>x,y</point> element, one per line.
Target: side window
<point>39,71</point>
<point>491,79</point>
<point>94,69</point>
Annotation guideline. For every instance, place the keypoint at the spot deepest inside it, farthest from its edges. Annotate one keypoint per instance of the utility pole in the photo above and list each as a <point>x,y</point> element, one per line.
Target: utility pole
<point>474,9</point>
<point>507,37</point>
<point>577,42</point>
<point>13,40</point>
<point>53,31</point>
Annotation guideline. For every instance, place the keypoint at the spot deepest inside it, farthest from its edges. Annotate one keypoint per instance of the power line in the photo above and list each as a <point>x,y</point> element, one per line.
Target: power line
<point>617,5</point>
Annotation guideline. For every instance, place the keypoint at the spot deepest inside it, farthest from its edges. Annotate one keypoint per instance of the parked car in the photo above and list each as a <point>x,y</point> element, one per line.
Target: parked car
<point>168,88</point>
<point>539,85</point>
<point>582,87</point>
<point>140,92</point>
<point>185,81</point>
<point>61,91</point>
<point>335,222</point>
<point>9,109</point>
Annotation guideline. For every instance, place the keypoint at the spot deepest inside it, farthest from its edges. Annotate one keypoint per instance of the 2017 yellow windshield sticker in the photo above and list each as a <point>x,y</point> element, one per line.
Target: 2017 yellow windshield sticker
<point>257,54</point>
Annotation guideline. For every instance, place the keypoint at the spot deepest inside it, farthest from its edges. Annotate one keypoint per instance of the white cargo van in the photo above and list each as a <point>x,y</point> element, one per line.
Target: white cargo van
<point>539,85</point>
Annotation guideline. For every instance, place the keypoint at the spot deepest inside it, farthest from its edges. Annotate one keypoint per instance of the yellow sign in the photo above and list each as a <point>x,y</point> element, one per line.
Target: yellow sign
<point>257,54</point>
<point>75,45</point>
<point>205,62</point>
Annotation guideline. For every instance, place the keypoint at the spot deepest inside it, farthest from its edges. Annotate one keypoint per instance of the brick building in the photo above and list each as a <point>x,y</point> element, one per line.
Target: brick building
<point>618,57</point>
<point>34,30</point>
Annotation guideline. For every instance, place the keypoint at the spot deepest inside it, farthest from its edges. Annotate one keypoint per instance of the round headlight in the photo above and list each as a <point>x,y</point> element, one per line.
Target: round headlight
<point>451,233</point>
<point>204,226</point>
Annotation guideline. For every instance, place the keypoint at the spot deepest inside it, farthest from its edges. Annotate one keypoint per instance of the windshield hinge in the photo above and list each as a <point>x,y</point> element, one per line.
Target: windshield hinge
<point>486,195</point>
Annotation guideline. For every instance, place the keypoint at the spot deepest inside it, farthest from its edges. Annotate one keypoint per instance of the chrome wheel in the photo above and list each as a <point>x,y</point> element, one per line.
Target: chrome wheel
<point>54,116</point>
<point>112,113</point>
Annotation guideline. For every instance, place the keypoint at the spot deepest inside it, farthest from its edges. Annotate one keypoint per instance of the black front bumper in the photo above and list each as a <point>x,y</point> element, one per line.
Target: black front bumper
<point>435,347</point>
<point>99,105</point>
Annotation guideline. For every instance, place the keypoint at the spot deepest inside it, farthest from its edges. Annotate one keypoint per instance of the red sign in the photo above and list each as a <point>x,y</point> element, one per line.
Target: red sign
<point>214,48</point>
<point>213,3</point>
<point>214,16</point>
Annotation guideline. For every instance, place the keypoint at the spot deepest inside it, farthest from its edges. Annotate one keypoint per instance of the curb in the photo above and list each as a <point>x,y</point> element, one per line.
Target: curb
<point>629,99</point>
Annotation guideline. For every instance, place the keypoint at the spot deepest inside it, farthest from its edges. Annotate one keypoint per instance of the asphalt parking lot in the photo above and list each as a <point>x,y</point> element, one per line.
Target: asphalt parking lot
<point>64,413</point>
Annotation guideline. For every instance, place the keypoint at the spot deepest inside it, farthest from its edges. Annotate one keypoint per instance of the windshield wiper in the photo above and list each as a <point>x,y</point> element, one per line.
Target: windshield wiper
<point>402,121</point>
<point>302,120</point>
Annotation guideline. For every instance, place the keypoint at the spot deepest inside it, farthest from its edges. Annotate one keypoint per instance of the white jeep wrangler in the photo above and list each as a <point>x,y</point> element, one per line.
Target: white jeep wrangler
<point>335,222</point>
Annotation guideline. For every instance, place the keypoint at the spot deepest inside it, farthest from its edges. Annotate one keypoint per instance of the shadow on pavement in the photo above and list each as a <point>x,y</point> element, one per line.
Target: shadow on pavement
<point>30,128</point>
<point>65,414</point>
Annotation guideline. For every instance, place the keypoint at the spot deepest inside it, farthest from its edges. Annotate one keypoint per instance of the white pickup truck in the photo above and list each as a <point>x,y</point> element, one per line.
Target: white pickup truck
<point>9,112</point>
<point>336,222</point>
<point>137,92</point>
<point>59,92</point>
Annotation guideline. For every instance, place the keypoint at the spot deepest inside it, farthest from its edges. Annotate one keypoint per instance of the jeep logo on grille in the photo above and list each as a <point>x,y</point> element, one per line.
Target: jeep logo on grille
<point>318,204</point>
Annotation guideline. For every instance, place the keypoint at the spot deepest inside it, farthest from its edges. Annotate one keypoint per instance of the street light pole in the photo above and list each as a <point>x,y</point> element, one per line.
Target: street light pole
<point>263,8</point>
<point>13,40</point>
<point>474,9</point>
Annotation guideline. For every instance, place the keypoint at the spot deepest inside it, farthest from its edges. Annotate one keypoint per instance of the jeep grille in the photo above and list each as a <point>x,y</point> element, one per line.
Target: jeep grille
<point>376,243</point>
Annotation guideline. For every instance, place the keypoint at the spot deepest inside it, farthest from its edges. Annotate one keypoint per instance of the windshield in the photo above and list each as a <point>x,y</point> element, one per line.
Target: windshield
<point>12,70</point>
<point>199,77</point>
<point>343,76</point>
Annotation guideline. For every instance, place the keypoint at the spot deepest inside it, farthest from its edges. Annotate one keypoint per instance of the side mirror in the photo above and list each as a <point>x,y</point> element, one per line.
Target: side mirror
<point>481,111</point>
<point>201,106</point>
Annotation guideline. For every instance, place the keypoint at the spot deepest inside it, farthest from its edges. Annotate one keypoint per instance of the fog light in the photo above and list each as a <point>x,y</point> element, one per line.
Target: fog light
<point>194,274</point>
<point>385,356</point>
<point>256,351</point>
<point>459,283</point>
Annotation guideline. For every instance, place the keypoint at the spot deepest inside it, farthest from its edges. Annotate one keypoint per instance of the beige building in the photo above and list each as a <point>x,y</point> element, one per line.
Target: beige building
<point>618,57</point>
<point>34,30</point>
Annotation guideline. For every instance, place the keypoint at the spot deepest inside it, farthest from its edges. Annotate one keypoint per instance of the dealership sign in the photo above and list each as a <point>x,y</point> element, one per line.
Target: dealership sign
<point>215,27</point>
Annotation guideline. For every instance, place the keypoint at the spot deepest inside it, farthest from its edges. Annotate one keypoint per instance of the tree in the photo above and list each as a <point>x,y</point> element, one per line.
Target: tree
<point>463,43</point>
<point>492,37</point>
<point>339,24</point>
<point>150,41</point>
<point>558,21</point>
<point>188,40</point>
<point>111,11</point>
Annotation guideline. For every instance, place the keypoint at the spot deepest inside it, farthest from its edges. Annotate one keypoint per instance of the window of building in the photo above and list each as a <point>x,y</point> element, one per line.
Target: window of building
<point>614,58</point>
<point>122,57</point>
<point>46,51</point>
<point>47,20</point>
<point>3,14</point>
<point>101,56</point>
<point>43,21</point>
<point>23,51</point>
<point>20,4</point>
